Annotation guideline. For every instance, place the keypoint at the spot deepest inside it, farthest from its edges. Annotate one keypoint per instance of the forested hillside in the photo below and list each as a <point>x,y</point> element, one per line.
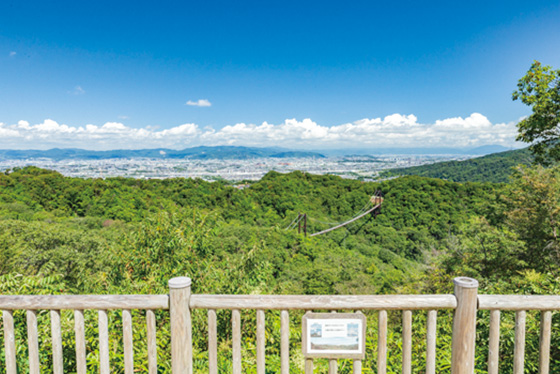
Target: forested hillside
<point>67,235</point>
<point>496,167</point>
<point>383,250</point>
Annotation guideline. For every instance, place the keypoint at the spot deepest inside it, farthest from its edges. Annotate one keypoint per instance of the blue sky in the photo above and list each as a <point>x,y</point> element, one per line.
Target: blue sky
<point>109,74</point>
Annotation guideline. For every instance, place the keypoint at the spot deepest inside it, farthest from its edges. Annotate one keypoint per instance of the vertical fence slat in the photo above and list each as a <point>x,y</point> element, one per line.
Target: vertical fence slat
<point>79,331</point>
<point>357,367</point>
<point>519,347</point>
<point>407,342</point>
<point>333,366</point>
<point>261,367</point>
<point>464,326</point>
<point>494,342</point>
<point>333,363</point>
<point>181,325</point>
<point>309,366</point>
<point>212,342</point>
<point>236,337</point>
<point>103,321</point>
<point>382,342</point>
<point>56,333</point>
<point>431,342</point>
<point>544,343</point>
<point>152,341</point>
<point>357,363</point>
<point>308,361</point>
<point>33,341</point>
<point>127,342</point>
<point>284,342</point>
<point>9,342</point>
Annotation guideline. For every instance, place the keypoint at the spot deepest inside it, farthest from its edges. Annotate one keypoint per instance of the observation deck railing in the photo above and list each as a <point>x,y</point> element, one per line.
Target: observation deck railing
<point>465,302</point>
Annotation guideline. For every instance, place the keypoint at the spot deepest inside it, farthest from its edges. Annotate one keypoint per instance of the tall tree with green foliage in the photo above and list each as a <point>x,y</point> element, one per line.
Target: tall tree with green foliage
<point>540,89</point>
<point>534,213</point>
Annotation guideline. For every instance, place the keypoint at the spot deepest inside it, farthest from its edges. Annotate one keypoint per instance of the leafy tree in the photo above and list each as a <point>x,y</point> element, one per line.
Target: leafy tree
<point>535,214</point>
<point>481,251</point>
<point>540,89</point>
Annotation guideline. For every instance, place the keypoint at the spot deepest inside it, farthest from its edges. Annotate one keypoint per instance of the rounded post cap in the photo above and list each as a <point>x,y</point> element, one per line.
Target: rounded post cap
<point>465,282</point>
<point>179,282</point>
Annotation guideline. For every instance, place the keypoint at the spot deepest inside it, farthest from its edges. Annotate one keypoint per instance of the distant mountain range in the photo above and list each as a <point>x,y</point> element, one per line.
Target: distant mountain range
<point>229,152</point>
<point>196,153</point>
<point>482,150</point>
<point>496,167</point>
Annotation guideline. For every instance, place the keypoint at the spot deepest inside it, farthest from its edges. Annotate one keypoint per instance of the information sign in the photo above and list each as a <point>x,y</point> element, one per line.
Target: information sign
<point>334,335</point>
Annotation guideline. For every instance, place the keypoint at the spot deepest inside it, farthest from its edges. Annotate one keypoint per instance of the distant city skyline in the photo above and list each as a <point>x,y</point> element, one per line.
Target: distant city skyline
<point>228,169</point>
<point>308,75</point>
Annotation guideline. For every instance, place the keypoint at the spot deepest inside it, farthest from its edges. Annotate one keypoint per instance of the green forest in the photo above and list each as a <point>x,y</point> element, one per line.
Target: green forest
<point>61,235</point>
<point>496,167</point>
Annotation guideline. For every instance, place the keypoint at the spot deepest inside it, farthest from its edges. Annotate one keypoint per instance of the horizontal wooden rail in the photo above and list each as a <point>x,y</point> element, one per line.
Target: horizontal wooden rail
<point>97,302</point>
<point>310,302</point>
<point>518,302</point>
<point>304,302</point>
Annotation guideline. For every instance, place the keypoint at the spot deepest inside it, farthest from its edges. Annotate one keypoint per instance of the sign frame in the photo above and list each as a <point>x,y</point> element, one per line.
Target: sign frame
<point>341,326</point>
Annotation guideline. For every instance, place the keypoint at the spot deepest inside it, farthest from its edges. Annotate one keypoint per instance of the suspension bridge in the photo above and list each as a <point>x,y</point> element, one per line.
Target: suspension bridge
<point>372,206</point>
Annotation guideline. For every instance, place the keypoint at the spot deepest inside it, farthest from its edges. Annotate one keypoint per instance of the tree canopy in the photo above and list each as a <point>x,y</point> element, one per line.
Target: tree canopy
<point>61,235</point>
<point>495,167</point>
<point>540,89</point>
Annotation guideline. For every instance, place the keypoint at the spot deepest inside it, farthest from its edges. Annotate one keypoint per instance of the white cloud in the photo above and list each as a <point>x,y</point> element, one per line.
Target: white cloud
<point>200,102</point>
<point>12,54</point>
<point>78,90</point>
<point>8,132</point>
<point>394,131</point>
<point>114,127</point>
<point>188,129</point>
<point>23,124</point>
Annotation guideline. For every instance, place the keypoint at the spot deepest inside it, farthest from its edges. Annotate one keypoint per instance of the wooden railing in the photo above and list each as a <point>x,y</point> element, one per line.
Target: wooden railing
<point>78,304</point>
<point>285,303</point>
<point>519,304</point>
<point>465,302</point>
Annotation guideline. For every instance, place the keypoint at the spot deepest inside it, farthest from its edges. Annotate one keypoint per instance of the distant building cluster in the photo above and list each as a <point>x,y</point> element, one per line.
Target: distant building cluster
<point>357,167</point>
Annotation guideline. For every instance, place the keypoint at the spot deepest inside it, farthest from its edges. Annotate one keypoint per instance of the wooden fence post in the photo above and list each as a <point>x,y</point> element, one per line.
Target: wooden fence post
<point>464,326</point>
<point>181,328</point>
